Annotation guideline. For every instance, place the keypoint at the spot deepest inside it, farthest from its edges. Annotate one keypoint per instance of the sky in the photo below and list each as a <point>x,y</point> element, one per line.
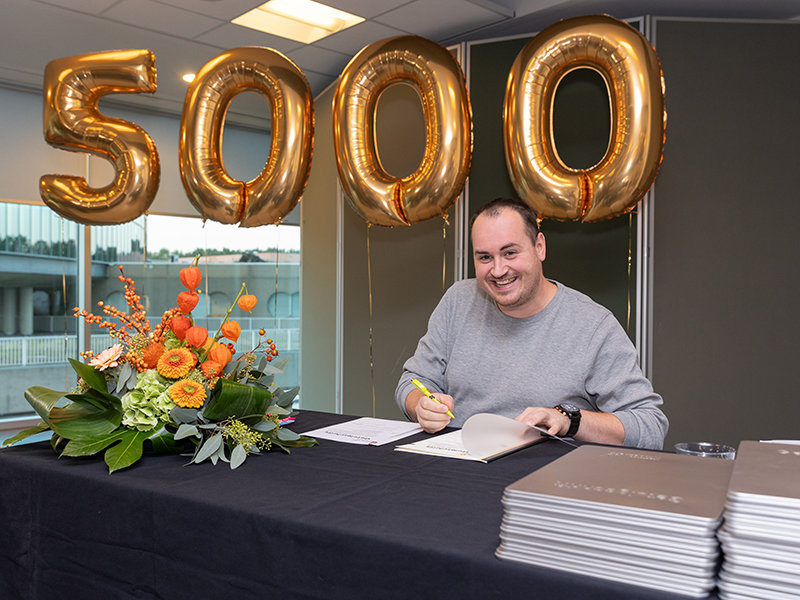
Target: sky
<point>184,234</point>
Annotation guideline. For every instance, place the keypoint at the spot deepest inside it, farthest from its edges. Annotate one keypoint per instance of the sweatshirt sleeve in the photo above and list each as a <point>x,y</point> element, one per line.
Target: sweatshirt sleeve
<point>615,384</point>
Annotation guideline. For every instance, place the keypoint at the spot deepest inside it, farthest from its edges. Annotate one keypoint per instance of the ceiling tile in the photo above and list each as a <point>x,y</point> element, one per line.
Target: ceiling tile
<point>233,36</point>
<point>160,17</point>
<point>319,60</point>
<point>365,8</point>
<point>352,40</point>
<point>227,10</point>
<point>440,20</point>
<point>93,7</point>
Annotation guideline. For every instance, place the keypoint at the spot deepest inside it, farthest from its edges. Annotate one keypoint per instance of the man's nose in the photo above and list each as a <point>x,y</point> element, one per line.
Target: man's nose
<point>498,266</point>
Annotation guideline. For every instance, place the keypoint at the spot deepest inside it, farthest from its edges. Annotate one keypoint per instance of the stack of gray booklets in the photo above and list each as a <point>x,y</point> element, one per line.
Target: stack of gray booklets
<point>761,535</point>
<point>632,516</point>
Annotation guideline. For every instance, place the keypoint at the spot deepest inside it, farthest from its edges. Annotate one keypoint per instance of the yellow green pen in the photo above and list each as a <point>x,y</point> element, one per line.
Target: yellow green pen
<point>425,391</point>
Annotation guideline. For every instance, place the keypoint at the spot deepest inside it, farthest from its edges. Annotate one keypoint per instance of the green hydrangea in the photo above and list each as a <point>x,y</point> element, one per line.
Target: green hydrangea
<point>148,403</point>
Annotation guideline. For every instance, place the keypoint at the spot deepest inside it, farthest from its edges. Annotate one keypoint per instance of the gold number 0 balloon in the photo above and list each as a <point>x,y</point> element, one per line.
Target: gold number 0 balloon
<point>72,87</point>
<point>275,191</point>
<point>378,197</point>
<point>630,68</point>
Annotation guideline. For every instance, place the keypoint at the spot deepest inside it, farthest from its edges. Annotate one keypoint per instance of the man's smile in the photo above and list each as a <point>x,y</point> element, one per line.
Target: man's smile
<point>504,282</point>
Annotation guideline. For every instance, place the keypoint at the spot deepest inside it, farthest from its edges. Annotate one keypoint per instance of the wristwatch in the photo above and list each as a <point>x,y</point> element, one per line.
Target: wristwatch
<point>574,415</point>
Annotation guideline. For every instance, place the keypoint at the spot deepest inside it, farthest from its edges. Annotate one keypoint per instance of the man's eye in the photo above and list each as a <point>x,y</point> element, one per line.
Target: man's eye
<point>511,253</point>
<point>483,258</point>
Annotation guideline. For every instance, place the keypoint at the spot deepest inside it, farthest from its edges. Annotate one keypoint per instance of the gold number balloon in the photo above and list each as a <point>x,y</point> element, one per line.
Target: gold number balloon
<point>274,192</point>
<point>630,68</point>
<point>72,88</point>
<point>377,196</point>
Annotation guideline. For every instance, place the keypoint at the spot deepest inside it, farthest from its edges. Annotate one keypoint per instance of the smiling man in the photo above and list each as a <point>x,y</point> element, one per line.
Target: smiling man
<point>515,343</point>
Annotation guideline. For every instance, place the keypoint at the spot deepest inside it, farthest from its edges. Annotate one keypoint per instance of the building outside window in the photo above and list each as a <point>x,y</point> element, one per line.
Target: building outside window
<point>39,254</point>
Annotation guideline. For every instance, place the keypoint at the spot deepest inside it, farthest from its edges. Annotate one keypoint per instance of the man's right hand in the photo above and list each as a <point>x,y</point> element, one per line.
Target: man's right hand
<point>432,416</point>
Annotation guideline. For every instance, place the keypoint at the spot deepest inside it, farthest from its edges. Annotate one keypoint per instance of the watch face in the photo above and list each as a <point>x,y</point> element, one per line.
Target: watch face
<point>569,407</point>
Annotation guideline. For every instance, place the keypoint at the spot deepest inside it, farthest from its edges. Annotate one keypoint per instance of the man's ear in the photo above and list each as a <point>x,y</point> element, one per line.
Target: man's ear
<point>540,247</point>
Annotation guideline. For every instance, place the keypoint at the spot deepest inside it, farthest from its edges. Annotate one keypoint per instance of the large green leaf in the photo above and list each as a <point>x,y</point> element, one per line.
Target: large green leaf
<point>92,445</point>
<point>232,399</point>
<point>93,378</point>
<point>26,433</point>
<point>128,450</point>
<point>42,400</point>
<point>84,420</point>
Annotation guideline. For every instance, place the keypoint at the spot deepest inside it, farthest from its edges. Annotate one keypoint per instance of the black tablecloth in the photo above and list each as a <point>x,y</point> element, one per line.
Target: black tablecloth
<point>332,521</point>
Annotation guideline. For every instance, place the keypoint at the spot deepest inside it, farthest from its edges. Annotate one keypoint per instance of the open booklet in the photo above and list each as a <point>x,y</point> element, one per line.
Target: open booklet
<point>484,437</point>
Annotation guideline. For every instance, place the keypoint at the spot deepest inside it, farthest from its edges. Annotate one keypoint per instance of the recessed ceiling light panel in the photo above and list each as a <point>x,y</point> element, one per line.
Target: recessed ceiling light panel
<point>304,21</point>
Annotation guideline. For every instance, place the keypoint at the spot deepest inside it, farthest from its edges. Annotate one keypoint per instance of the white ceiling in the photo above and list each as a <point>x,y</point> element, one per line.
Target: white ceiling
<point>185,34</point>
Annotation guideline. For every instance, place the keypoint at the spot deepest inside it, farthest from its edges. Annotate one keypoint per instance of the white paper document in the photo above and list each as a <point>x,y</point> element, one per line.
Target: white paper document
<point>484,437</point>
<point>367,431</point>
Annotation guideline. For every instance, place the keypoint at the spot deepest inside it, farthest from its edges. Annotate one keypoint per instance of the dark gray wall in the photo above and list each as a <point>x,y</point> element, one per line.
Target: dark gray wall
<point>406,267</point>
<point>725,326</point>
<point>591,257</point>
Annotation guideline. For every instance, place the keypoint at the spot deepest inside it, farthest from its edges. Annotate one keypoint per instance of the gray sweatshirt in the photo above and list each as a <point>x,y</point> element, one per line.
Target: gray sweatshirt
<point>572,351</point>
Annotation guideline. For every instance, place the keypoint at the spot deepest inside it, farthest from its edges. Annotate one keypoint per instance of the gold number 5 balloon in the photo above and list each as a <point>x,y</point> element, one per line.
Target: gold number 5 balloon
<point>630,68</point>
<point>275,191</point>
<point>72,86</point>
<point>378,197</point>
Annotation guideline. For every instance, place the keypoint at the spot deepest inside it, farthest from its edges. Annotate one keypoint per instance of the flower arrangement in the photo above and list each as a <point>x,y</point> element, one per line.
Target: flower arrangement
<point>174,386</point>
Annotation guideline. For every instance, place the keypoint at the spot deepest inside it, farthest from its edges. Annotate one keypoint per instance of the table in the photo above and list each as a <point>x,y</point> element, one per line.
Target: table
<point>332,521</point>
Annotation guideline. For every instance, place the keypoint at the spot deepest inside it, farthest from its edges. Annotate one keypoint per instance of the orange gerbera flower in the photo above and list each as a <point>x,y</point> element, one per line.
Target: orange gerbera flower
<point>176,363</point>
<point>187,393</point>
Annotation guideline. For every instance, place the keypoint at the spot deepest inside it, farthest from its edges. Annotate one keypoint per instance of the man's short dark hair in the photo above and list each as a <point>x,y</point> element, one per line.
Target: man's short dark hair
<point>493,208</point>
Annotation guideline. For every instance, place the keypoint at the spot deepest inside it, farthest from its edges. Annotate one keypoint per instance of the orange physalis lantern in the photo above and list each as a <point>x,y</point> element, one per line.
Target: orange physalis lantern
<point>220,354</point>
<point>247,302</point>
<point>180,325</point>
<point>187,301</point>
<point>211,368</point>
<point>231,330</point>
<point>196,336</point>
<point>190,277</point>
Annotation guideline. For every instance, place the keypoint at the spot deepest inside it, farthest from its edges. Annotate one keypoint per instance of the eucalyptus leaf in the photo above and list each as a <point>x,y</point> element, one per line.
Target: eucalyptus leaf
<point>238,456</point>
<point>131,383</point>
<point>271,369</point>
<point>286,397</point>
<point>286,435</point>
<point>25,433</point>
<point>280,363</point>
<point>209,447</point>
<point>43,400</point>
<point>183,415</point>
<point>185,430</point>
<point>264,426</point>
<point>274,409</point>
<point>84,420</point>
<point>127,451</point>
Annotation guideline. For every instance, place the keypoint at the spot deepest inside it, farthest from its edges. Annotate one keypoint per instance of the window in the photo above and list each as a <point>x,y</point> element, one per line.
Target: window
<point>38,273</point>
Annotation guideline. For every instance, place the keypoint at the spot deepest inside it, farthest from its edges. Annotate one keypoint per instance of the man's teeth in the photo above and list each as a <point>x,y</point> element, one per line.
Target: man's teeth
<point>502,282</point>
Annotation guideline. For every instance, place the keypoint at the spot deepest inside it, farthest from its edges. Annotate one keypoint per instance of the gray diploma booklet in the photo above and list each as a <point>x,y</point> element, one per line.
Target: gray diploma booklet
<point>484,437</point>
<point>761,535</point>
<point>634,516</point>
